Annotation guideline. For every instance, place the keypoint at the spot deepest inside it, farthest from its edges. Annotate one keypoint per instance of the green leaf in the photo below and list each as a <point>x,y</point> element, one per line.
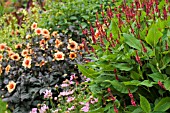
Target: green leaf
<point>163,104</point>
<point>73,18</point>
<point>153,35</point>
<point>167,85</point>
<point>113,28</point>
<point>123,66</point>
<point>132,41</point>
<point>145,104</point>
<point>158,76</point>
<point>88,72</point>
<point>146,83</point>
<point>121,87</point>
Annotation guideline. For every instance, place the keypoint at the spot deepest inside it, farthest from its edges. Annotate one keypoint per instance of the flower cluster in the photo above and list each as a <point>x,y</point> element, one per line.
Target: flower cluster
<point>42,61</point>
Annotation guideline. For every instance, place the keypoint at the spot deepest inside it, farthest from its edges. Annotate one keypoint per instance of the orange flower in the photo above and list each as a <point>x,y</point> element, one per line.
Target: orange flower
<point>27,62</point>
<point>59,56</point>
<point>18,46</point>
<point>38,31</point>
<point>25,52</point>
<point>42,42</point>
<point>42,63</point>
<point>72,45</point>
<point>7,69</point>
<point>8,49</point>
<point>28,36</point>
<point>54,34</point>
<point>47,37</point>
<point>57,43</point>
<point>34,26</point>
<point>1,57</point>
<point>10,53</point>
<point>81,46</point>
<point>13,33</point>
<point>2,46</point>
<point>97,34</point>
<point>11,86</point>
<point>72,55</point>
<point>45,32</point>
<point>15,57</point>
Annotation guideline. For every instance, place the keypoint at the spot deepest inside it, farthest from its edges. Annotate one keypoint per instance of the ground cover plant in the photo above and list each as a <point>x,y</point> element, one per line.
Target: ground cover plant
<point>129,58</point>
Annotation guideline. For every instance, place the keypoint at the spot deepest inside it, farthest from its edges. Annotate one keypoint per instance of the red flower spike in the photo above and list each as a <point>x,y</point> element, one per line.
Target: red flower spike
<point>115,109</point>
<point>167,47</point>
<point>165,13</point>
<point>161,85</point>
<point>133,102</point>
<point>138,58</point>
<point>108,90</point>
<point>93,35</point>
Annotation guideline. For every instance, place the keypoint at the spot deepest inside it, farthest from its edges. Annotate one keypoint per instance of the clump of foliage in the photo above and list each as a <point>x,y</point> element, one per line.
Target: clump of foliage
<point>129,58</point>
<point>70,14</point>
<point>43,61</point>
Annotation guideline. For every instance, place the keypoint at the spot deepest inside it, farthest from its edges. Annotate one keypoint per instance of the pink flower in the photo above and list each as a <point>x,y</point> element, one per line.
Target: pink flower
<point>64,85</point>
<point>69,99</point>
<point>72,77</point>
<point>72,108</point>
<point>86,107</point>
<point>34,110</point>
<point>47,94</point>
<point>43,109</point>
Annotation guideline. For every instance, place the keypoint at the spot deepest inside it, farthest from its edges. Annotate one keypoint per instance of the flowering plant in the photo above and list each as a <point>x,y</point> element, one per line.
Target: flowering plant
<point>129,60</point>
<point>43,61</point>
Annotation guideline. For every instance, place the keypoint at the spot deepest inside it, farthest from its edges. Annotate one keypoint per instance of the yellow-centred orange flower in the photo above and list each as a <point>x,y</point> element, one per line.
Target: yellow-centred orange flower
<point>1,57</point>
<point>42,42</point>
<point>25,53</point>
<point>18,46</point>
<point>55,34</point>
<point>34,26</point>
<point>45,32</point>
<point>11,86</point>
<point>2,46</point>
<point>46,37</point>
<point>59,56</point>
<point>27,62</point>
<point>7,69</point>
<point>15,57</point>
<point>72,45</point>
<point>72,55</point>
<point>57,43</point>
<point>38,31</point>
<point>10,53</point>
<point>28,36</point>
<point>81,46</point>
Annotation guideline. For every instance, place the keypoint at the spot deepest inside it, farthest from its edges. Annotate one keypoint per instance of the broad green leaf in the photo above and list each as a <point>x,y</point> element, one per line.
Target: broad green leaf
<point>123,66</point>
<point>98,110</point>
<point>145,104</point>
<point>146,83</point>
<point>134,75</point>
<point>158,76</point>
<point>121,87</point>
<point>88,72</point>
<point>153,35</point>
<point>113,28</point>
<point>133,82</point>
<point>132,41</point>
<point>167,85</point>
<point>163,104</point>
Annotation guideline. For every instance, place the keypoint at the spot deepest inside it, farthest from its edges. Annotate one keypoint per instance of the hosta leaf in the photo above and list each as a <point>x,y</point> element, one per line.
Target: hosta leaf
<point>153,35</point>
<point>145,104</point>
<point>132,41</point>
<point>163,104</point>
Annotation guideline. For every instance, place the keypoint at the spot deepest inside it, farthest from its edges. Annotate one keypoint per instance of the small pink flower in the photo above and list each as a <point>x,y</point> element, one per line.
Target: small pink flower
<point>72,108</point>
<point>86,107</point>
<point>69,99</point>
<point>34,110</point>
<point>47,94</point>
<point>64,85</point>
<point>43,109</point>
